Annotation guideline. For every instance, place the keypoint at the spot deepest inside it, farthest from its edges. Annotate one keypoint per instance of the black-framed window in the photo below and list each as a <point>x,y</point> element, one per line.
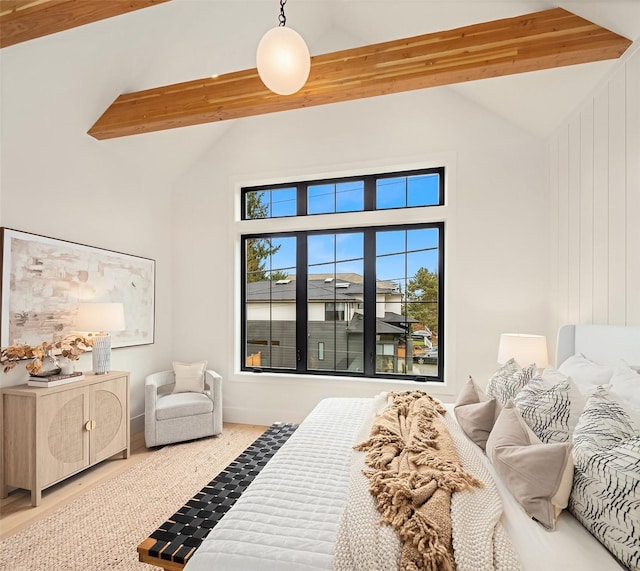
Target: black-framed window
<point>352,301</point>
<point>405,189</point>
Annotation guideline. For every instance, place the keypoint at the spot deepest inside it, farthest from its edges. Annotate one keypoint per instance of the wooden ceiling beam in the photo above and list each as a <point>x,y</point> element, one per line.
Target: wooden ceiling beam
<point>532,42</point>
<point>22,20</point>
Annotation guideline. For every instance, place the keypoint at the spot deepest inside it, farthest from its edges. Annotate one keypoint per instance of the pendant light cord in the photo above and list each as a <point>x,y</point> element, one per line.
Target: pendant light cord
<point>282,19</point>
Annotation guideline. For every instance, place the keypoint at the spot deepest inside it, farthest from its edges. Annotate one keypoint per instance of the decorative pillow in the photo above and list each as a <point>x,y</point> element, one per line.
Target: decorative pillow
<point>550,411</point>
<point>508,380</point>
<point>475,413</point>
<point>625,384</point>
<point>189,377</point>
<point>606,496</point>
<point>551,377</point>
<point>586,372</point>
<point>538,475</point>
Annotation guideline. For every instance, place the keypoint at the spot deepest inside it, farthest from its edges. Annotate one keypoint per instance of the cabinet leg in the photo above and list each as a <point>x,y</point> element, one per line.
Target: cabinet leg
<point>36,497</point>
<point>125,453</point>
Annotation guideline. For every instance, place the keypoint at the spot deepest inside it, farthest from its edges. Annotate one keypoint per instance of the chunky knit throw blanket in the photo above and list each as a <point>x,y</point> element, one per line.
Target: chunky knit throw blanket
<point>414,469</point>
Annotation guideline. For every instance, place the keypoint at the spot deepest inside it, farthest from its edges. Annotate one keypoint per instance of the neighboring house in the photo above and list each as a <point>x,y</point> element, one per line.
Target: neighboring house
<point>335,316</point>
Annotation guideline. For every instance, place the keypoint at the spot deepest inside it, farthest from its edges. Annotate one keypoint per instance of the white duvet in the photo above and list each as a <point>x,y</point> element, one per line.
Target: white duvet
<point>288,519</point>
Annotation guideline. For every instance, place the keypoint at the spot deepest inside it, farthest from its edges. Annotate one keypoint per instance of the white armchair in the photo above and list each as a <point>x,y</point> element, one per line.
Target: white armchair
<point>177,417</point>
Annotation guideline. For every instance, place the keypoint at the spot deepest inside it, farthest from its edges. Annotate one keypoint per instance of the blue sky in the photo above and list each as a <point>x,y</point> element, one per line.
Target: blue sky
<point>391,192</point>
<point>399,253</point>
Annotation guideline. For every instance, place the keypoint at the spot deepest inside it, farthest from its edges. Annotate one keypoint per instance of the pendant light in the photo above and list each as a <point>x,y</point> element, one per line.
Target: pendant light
<point>282,58</point>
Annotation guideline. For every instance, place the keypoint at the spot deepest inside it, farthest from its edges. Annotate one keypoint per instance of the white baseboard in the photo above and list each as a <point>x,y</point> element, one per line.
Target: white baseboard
<point>262,417</point>
<point>240,415</point>
<point>137,424</point>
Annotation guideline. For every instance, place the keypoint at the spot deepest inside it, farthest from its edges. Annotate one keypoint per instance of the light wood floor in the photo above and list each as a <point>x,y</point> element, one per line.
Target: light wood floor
<point>16,512</point>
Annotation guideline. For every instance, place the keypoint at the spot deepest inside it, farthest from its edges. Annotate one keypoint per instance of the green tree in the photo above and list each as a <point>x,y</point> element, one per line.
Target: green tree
<point>258,250</point>
<point>257,206</point>
<point>422,297</point>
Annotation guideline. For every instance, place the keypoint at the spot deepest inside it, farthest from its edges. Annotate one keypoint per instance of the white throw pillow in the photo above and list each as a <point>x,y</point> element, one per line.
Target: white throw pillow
<point>551,377</point>
<point>189,377</point>
<point>586,372</point>
<point>625,385</point>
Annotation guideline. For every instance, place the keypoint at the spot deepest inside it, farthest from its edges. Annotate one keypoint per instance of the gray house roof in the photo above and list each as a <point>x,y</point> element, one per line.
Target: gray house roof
<point>357,322</point>
<point>317,290</point>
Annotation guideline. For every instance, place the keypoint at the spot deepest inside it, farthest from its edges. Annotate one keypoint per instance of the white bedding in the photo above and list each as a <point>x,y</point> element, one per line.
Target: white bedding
<point>288,518</point>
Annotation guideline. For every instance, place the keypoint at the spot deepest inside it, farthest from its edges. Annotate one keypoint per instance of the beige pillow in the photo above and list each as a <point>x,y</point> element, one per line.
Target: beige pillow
<point>475,414</point>
<point>538,475</point>
<point>189,377</point>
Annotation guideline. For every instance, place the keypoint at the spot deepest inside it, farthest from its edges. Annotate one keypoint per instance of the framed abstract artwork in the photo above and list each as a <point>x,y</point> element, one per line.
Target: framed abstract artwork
<point>44,280</point>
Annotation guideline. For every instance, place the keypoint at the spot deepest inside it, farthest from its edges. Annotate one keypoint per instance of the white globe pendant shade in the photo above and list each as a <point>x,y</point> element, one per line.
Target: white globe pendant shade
<point>283,60</point>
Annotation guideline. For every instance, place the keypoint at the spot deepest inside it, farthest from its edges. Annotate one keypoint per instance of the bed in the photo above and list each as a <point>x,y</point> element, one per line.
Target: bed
<point>304,503</point>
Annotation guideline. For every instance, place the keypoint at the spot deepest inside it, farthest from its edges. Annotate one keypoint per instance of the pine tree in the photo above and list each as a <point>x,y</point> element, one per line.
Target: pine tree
<point>422,293</point>
<point>258,250</point>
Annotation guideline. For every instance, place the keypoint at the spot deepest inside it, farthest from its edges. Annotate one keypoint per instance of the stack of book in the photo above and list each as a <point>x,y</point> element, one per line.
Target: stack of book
<point>54,380</point>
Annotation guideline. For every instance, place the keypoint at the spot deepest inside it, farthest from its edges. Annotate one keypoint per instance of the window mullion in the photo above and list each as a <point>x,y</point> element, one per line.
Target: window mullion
<point>243,293</point>
<point>369,290</point>
<point>301,302</point>
<point>301,199</point>
<point>441,294</point>
<point>369,193</point>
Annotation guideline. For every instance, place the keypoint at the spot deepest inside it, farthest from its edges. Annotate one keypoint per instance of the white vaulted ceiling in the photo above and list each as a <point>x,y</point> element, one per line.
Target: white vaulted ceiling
<point>79,72</point>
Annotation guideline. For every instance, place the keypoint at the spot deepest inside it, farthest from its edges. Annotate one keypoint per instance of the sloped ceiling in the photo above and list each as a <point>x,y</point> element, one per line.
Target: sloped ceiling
<point>83,70</point>
<point>24,20</point>
<point>531,42</point>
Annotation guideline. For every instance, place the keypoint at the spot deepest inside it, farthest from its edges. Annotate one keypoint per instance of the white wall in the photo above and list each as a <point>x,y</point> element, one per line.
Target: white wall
<point>496,236</point>
<point>594,174</point>
<point>57,181</point>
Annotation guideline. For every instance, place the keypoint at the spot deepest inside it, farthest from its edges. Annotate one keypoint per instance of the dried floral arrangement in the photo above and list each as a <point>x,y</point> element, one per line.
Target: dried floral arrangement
<point>71,346</point>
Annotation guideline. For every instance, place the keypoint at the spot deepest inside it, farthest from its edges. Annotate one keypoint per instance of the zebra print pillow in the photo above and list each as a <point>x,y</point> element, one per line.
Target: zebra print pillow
<point>550,411</point>
<point>507,381</point>
<point>606,486</point>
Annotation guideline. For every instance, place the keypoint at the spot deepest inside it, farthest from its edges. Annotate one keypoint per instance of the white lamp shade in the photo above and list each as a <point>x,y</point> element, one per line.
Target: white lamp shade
<point>283,60</point>
<point>525,349</point>
<point>100,317</point>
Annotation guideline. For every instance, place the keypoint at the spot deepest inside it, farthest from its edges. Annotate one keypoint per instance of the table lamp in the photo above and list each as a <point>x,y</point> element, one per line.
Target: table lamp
<point>525,349</point>
<point>100,319</point>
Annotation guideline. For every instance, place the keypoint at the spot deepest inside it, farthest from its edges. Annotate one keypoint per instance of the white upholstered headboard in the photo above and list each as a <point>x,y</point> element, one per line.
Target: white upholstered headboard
<point>603,344</point>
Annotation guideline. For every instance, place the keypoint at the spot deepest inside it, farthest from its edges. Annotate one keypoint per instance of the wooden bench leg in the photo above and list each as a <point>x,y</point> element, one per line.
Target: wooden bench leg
<point>144,557</point>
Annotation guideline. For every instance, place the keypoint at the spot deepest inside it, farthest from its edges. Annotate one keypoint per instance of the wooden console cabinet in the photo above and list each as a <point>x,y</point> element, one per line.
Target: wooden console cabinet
<point>53,433</point>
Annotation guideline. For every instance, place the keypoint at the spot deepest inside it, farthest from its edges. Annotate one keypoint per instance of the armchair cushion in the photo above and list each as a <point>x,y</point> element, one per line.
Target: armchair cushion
<point>178,405</point>
<point>189,377</point>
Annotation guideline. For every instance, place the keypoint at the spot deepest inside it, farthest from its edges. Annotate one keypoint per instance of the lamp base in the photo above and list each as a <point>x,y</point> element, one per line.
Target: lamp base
<point>101,354</point>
